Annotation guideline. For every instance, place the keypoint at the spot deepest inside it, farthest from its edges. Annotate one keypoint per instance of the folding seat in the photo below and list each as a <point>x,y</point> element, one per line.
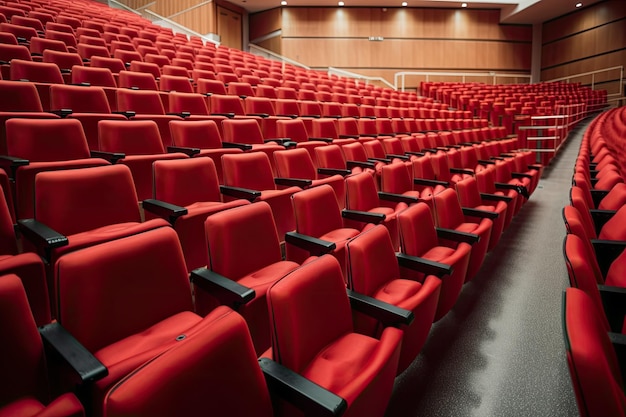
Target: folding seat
<point>320,227</point>
<point>65,61</point>
<point>175,83</point>
<point>362,195</point>
<point>395,179</point>
<point>331,160</point>
<point>28,22</point>
<point>87,51</point>
<point>443,247</point>
<point>41,73</point>
<point>145,68</point>
<point>469,196</point>
<point>148,105</point>
<point>20,99</point>
<point>210,87</point>
<point>240,89</point>
<point>10,52</point>
<point>259,187</point>
<point>26,386</point>
<point>296,131</point>
<point>593,357</point>
<point>364,370</point>
<point>327,128</point>
<point>127,56</point>
<point>37,145</point>
<point>39,45</point>
<point>486,184</point>
<point>89,105</point>
<point>450,215</point>
<point>75,23</point>
<point>93,39</point>
<point>266,91</point>
<point>248,132</point>
<point>8,39</point>
<point>193,107</point>
<point>144,50</point>
<point>263,107</point>
<point>23,34</point>
<point>157,59</point>
<point>374,270</point>
<point>175,70</point>
<point>9,12</point>
<point>356,153</point>
<point>349,129</point>
<point>225,77</point>
<point>297,164</point>
<point>602,224</point>
<point>190,190</point>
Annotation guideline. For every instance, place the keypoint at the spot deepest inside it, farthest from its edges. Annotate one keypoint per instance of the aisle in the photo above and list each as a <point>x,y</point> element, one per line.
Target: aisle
<point>500,351</point>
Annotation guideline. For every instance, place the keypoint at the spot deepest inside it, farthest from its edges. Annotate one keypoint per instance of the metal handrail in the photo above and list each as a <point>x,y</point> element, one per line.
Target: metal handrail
<point>619,95</point>
<point>344,73</point>
<point>462,75</point>
<point>123,7</point>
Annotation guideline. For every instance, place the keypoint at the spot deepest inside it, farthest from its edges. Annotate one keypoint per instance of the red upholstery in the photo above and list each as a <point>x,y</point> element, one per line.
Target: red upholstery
<point>321,343</point>
<point>449,215</point>
<point>297,163</point>
<point>201,375</point>
<point>24,389</point>
<point>237,169</point>
<point>193,184</point>
<point>141,143</point>
<point>295,130</point>
<point>373,270</point>
<point>361,195</point>
<point>47,145</point>
<point>469,196</point>
<point>418,237</point>
<point>134,305</point>
<point>248,131</point>
<point>254,263</point>
<point>487,184</point>
<point>592,361</point>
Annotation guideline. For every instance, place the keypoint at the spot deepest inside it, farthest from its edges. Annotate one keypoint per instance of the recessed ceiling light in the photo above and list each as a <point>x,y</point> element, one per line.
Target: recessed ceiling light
<point>404,4</point>
<point>341,4</point>
<point>463,4</point>
<point>579,5</point>
<point>283,3</point>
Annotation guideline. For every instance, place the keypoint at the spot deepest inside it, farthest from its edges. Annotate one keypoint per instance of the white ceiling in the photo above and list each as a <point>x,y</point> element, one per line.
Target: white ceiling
<point>512,11</point>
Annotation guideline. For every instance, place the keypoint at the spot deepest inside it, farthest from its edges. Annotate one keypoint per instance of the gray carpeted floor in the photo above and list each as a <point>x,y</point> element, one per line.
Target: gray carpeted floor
<point>500,351</point>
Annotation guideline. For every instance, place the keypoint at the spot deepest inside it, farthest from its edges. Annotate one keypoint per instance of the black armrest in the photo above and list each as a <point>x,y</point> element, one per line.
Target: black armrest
<point>387,314</point>
<point>317,247</point>
<point>41,235</point>
<point>360,164</point>
<point>312,116</point>
<point>127,113</point>
<point>600,217</point>
<point>430,183</point>
<point>333,171</point>
<point>13,163</point>
<point>606,252</point>
<point>461,171</point>
<point>363,216</point>
<point>429,150</point>
<point>263,115</point>
<point>426,266</point>
<point>457,236</point>
<point>520,175</point>
<point>598,195</point>
<point>614,304</point>
<point>112,157</point>
<point>62,343</point>
<point>349,136</point>
<point>304,394</point>
<point>483,214</point>
<point>239,192</point>
<point>327,140</point>
<point>291,116</point>
<point>242,146</point>
<point>280,141</point>
<point>535,167</point>
<point>498,158</point>
<point>402,157</point>
<point>293,182</point>
<point>229,115</point>
<point>62,112</point>
<point>398,198</point>
<point>183,114</point>
<point>385,160</point>
<point>495,197</point>
<point>168,211</point>
<point>187,151</point>
<point>520,189</point>
<point>415,153</point>
<point>486,162</point>
<point>226,290</point>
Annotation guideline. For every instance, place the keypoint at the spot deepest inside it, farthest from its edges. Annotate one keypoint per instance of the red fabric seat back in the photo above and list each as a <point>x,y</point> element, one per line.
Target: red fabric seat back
<point>242,131</point>
<point>237,169</point>
<point>361,193</point>
<point>186,181</point>
<point>295,163</point>
<point>317,211</point>
<point>140,137</point>
<point>448,210</point>
<point>202,134</point>
<point>79,99</point>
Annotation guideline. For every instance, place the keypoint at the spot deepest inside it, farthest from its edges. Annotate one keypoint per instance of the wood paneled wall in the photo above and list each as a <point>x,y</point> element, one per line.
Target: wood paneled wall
<point>587,40</point>
<point>414,39</point>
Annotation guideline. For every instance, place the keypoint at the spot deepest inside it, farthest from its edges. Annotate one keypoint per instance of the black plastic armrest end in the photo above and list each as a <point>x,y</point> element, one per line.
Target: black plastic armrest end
<point>187,151</point>
<point>429,183</point>
<point>457,236</point>
<point>306,395</point>
<point>40,234</point>
<point>360,164</point>
<point>226,290</point>
<point>495,197</point>
<point>398,198</point>
<point>293,182</point>
<point>168,211</point>
<point>484,214</point>
<point>363,216</point>
<point>333,171</point>
<point>242,146</point>
<point>386,313</point>
<point>112,157</point>
<point>239,192</point>
<point>461,171</point>
<point>426,266</point>
<point>317,139</point>
<point>313,245</point>
<point>87,366</point>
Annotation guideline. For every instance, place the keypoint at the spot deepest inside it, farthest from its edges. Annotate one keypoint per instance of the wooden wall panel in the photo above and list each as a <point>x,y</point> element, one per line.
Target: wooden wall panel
<point>593,16</point>
<point>135,4</point>
<point>167,8</point>
<point>200,19</point>
<point>273,44</point>
<point>265,22</point>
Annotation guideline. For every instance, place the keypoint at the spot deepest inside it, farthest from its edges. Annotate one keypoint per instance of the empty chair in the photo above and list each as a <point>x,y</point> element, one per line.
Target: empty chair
<point>175,83</point>
<point>450,215</point>
<point>395,179</point>
<point>331,158</point>
<point>87,51</point>
<point>26,386</point>
<point>252,263</point>
<point>297,163</point>
<point>210,86</point>
<point>140,144</point>
<point>600,224</point>
<point>145,68</point>
<point>420,238</point>
<point>41,73</point>
<point>8,53</point>
<point>137,80</point>
<point>64,60</point>
<point>361,195</point>
<point>593,362</point>
<point>259,187</point>
<point>44,145</point>
<point>295,130</point>
<point>191,190</point>
<point>374,270</point>
<point>314,297</point>
<point>22,33</point>
<point>248,132</point>
<point>39,45</point>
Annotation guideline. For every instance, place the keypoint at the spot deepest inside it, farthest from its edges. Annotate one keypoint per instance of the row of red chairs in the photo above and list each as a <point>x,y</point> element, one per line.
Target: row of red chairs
<point>593,313</point>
